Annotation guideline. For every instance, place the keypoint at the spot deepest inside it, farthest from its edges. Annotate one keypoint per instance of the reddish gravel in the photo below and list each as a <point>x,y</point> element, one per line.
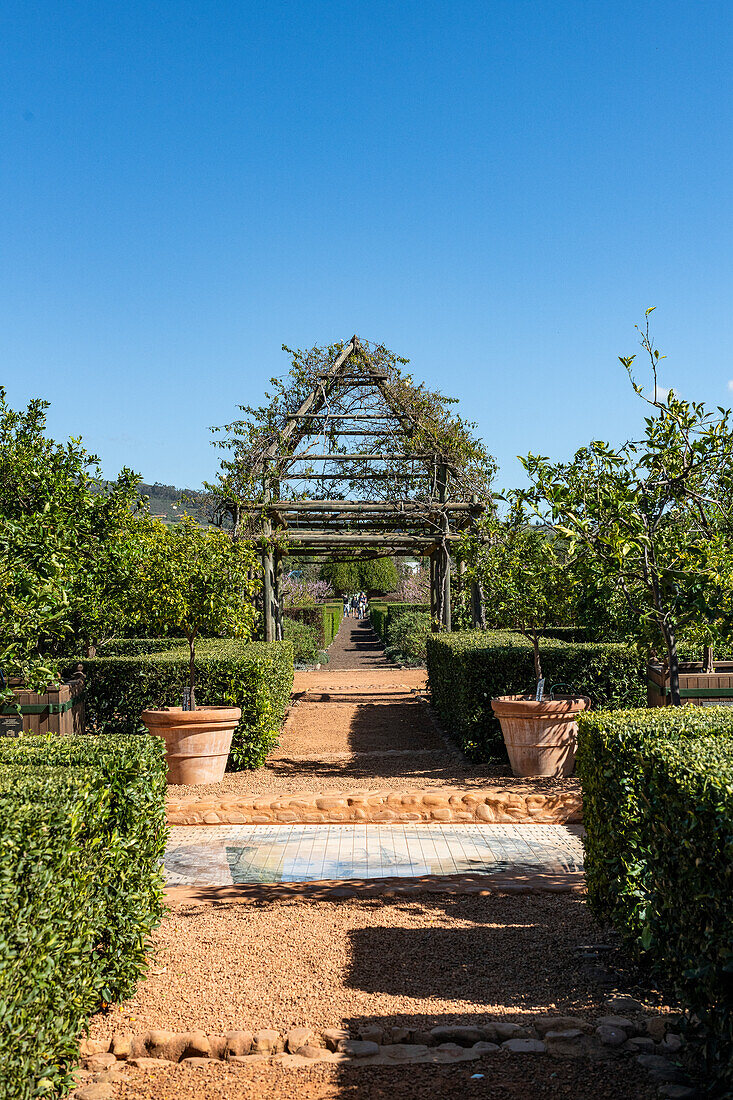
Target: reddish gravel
<point>357,646</point>
<point>366,731</point>
<point>412,962</point>
<point>516,1077</point>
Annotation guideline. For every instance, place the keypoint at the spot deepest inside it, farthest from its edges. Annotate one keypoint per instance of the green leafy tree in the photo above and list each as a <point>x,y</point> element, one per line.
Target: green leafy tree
<point>375,576</point>
<point>343,576</point>
<point>192,581</point>
<point>59,529</point>
<point>378,576</point>
<point>523,572</point>
<point>654,515</point>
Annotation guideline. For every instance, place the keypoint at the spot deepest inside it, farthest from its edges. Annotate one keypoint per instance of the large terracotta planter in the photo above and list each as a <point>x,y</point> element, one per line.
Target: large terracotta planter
<point>540,737</point>
<point>197,742</point>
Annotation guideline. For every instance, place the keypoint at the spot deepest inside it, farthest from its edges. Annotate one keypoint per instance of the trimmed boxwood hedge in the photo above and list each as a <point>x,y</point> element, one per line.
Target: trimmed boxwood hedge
<point>305,641</point>
<point>385,617</point>
<point>408,633</point>
<point>82,834</point>
<point>378,616</point>
<point>333,613</point>
<point>325,618</point>
<point>256,676</point>
<point>611,745</point>
<point>469,668</point>
<point>136,647</point>
<point>658,811</point>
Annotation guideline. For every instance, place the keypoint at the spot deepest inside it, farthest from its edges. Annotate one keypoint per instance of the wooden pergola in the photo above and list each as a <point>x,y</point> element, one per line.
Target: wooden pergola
<point>342,480</point>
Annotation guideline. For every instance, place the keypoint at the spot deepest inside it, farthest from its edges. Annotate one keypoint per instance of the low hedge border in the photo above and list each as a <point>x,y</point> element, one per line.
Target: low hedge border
<point>385,617</point>
<point>306,644</point>
<point>83,832</point>
<point>658,811</point>
<point>469,668</point>
<point>325,618</point>
<point>408,634</point>
<point>256,676</point>
<point>138,647</point>
<point>611,745</point>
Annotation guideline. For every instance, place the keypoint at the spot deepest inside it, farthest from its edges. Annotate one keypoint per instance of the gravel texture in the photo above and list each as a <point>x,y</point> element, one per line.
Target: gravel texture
<point>357,646</point>
<point>415,962</point>
<point>367,730</point>
<point>505,1077</point>
<point>289,959</point>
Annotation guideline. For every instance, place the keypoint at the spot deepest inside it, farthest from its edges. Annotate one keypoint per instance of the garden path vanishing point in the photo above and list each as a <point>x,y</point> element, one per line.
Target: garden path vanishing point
<point>330,911</point>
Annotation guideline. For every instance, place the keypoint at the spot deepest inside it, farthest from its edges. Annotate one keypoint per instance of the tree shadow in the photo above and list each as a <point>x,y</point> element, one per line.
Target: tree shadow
<point>485,950</point>
<point>359,647</point>
<point>399,726</point>
<point>514,958</point>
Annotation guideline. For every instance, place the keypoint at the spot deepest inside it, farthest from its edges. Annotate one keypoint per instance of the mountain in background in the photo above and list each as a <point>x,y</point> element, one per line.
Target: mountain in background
<point>169,503</point>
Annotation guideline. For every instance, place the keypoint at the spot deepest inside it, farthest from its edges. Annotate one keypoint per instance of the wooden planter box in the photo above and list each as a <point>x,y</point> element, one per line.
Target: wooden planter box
<point>59,710</point>
<point>702,689</point>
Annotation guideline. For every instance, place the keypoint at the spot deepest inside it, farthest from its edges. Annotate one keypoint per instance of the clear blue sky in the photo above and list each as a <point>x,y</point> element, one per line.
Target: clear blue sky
<point>495,189</point>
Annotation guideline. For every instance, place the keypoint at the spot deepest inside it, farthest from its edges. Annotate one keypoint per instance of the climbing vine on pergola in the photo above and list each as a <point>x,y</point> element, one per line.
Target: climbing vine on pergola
<point>350,458</point>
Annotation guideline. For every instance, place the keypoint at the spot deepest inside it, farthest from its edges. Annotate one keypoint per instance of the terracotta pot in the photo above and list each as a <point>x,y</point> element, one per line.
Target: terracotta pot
<point>197,742</point>
<point>540,737</point>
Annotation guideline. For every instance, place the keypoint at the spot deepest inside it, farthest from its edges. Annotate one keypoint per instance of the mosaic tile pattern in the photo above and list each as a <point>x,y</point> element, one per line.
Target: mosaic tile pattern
<point>229,854</point>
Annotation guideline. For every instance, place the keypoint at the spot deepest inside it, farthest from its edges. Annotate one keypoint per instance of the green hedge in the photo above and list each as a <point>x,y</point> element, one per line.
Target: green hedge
<point>469,668</point>
<point>256,676</point>
<point>305,640</point>
<point>333,614</point>
<point>378,616</point>
<point>82,832</point>
<point>568,633</point>
<point>136,647</point>
<point>324,618</point>
<point>408,633</point>
<point>658,811</point>
<point>385,617</point>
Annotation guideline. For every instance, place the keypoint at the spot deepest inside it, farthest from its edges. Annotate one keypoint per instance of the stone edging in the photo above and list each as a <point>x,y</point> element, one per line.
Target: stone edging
<point>381,807</point>
<point>483,885</point>
<point>649,1039</point>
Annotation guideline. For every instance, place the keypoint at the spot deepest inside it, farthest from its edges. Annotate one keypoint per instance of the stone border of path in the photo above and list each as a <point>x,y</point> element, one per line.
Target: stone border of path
<point>651,1040</point>
<point>325,889</point>
<point>491,806</point>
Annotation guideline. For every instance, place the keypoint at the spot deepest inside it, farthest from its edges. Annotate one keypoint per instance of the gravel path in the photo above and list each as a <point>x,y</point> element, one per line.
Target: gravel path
<point>413,962</point>
<point>364,729</point>
<point>357,646</point>
<point>518,1077</point>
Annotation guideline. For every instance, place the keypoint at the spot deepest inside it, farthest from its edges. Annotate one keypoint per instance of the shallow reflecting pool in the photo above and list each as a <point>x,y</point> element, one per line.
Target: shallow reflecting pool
<point>229,854</point>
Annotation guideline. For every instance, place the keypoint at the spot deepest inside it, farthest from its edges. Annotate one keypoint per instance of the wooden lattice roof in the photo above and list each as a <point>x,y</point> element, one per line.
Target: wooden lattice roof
<point>343,475</point>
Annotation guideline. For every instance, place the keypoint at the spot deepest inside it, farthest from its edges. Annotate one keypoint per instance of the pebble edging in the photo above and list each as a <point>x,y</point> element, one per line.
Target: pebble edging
<point>650,1040</point>
<point>491,806</point>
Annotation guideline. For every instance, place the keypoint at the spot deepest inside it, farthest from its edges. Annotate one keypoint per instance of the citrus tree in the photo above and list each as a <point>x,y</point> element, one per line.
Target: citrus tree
<point>523,572</point>
<point>62,545</point>
<point>655,515</point>
<point>192,581</point>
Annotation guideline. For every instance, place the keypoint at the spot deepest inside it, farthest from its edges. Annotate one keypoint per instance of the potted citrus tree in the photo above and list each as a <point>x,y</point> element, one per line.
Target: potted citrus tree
<point>529,587</point>
<point>193,581</point>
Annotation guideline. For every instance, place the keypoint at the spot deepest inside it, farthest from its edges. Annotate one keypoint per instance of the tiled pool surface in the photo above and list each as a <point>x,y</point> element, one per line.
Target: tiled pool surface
<point>225,855</point>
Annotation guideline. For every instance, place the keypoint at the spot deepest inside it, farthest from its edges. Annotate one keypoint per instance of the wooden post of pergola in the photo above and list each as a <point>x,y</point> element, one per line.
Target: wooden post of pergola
<point>353,400</point>
<point>477,606</point>
<point>268,574</point>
